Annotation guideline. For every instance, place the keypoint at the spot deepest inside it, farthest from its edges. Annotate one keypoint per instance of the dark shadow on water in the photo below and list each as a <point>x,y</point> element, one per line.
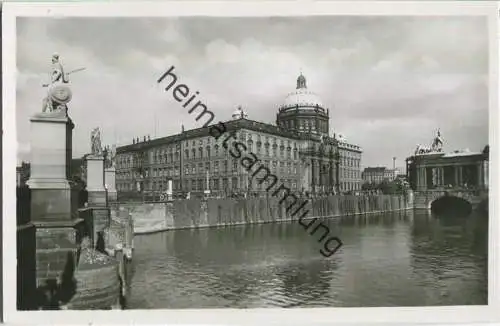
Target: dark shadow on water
<point>449,206</point>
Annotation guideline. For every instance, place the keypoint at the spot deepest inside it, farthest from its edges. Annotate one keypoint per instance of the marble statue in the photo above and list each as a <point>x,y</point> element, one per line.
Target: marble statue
<point>58,92</point>
<point>95,142</point>
<point>422,150</point>
<point>437,144</point>
<point>109,156</point>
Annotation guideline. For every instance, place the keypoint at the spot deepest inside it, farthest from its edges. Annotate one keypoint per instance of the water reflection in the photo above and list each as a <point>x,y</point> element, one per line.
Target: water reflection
<point>398,259</point>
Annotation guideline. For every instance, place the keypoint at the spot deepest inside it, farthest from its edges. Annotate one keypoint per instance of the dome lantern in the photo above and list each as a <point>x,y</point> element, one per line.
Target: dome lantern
<point>301,82</point>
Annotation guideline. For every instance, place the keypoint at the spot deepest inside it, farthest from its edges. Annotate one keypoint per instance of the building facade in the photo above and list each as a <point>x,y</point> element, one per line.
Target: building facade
<point>298,150</point>
<point>377,175</point>
<point>458,169</point>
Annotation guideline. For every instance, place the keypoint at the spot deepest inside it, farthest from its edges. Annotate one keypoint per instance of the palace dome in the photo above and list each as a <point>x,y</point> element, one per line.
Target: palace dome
<point>302,97</point>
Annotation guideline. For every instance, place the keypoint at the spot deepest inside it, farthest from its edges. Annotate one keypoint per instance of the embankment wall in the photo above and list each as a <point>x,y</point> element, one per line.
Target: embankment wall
<point>197,213</point>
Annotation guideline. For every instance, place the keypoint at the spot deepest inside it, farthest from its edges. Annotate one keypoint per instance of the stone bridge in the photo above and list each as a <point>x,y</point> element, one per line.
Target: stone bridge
<point>424,199</point>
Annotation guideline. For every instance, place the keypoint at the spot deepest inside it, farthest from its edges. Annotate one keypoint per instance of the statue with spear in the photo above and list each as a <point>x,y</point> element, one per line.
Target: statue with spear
<point>58,93</point>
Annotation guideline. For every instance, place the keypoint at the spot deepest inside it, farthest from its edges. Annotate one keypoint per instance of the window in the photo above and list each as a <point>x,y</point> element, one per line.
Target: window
<point>201,152</point>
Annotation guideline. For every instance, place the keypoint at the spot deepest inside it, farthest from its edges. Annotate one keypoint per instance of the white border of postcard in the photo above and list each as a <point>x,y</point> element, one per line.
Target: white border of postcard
<point>456,314</point>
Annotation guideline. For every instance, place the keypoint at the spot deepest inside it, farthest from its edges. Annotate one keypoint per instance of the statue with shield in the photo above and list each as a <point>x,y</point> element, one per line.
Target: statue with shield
<point>58,92</point>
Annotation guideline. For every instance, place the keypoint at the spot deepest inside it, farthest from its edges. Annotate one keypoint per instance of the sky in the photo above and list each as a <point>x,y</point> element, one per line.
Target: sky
<point>389,82</point>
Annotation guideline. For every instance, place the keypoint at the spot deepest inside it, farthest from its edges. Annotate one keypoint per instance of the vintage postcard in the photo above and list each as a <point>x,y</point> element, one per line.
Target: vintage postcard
<point>240,162</point>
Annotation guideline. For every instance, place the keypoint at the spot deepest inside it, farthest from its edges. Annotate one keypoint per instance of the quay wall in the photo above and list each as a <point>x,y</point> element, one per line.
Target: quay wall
<point>198,213</point>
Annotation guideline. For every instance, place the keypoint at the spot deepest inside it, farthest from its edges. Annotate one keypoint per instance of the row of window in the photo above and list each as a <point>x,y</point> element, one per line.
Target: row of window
<point>350,186</point>
<point>305,124</point>
<point>224,167</point>
<point>243,135</point>
<point>172,154</point>
<point>350,174</point>
<point>201,152</point>
<point>212,167</point>
<point>217,184</point>
<point>349,161</point>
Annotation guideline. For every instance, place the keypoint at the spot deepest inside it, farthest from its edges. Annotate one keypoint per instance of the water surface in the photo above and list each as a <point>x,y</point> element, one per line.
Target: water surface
<point>399,259</point>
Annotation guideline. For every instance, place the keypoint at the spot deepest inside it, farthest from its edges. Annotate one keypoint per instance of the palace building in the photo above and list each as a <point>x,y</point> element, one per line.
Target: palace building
<point>298,150</point>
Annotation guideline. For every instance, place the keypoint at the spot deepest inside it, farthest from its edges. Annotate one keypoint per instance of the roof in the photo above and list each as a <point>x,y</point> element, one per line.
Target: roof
<point>204,131</point>
<point>456,154</point>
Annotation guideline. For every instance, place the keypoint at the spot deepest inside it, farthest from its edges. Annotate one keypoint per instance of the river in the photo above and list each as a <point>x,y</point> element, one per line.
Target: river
<point>409,258</point>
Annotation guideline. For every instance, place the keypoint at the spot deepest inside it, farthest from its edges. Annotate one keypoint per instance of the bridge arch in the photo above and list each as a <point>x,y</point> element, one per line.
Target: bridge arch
<point>451,205</point>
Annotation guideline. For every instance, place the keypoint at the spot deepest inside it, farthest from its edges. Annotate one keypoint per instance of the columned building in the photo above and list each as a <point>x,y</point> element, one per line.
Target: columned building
<point>458,169</point>
<point>298,150</point>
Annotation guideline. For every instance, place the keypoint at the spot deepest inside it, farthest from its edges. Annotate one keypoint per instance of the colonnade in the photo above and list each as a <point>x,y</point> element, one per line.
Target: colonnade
<point>429,177</point>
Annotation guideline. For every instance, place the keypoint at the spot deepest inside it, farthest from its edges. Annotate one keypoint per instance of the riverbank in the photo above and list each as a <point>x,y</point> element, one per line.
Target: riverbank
<point>195,213</point>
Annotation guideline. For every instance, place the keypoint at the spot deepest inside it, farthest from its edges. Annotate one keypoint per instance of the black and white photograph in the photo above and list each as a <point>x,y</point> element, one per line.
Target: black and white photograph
<point>277,156</point>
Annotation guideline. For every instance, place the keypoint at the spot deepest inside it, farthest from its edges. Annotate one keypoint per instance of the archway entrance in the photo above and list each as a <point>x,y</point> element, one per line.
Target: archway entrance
<point>451,206</point>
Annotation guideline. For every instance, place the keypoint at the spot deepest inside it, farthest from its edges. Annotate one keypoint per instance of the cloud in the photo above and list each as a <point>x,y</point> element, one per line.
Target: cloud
<point>383,78</point>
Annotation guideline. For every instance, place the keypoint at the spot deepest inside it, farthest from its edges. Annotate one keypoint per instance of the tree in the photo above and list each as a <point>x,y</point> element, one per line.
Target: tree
<point>389,187</point>
<point>367,186</point>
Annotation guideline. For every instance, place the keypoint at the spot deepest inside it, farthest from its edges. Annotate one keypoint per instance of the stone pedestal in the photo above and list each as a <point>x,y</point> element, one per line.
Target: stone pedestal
<point>53,201</point>
<point>52,198</point>
<point>110,183</point>
<point>95,181</point>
